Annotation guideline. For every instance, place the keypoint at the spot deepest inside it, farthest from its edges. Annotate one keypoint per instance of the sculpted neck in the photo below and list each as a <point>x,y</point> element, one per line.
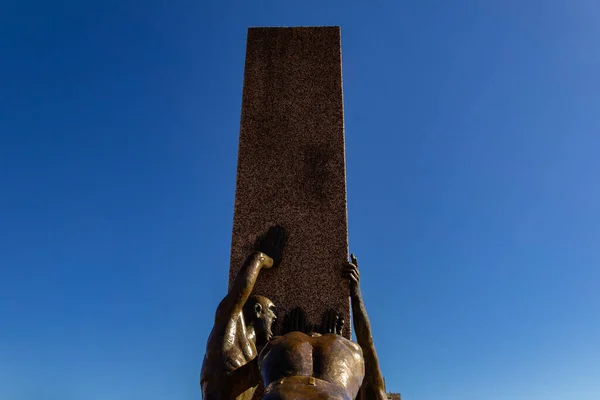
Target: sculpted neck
<point>251,334</point>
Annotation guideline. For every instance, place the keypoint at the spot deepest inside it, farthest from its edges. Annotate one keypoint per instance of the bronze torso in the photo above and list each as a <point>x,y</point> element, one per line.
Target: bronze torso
<point>229,373</point>
<point>297,366</point>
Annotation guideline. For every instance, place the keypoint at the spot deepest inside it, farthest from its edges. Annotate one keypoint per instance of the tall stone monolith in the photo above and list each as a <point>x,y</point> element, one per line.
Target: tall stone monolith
<point>291,167</point>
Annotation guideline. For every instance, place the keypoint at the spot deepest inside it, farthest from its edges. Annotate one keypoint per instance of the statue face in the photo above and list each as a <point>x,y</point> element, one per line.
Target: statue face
<point>264,317</point>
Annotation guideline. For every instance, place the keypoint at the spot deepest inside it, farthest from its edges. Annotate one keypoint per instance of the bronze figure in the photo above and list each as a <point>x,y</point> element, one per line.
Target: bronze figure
<point>304,364</point>
<point>242,327</point>
<point>373,386</point>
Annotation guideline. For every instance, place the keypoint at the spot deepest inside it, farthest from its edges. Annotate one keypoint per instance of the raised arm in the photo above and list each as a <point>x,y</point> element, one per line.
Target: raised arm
<point>268,250</point>
<point>373,382</point>
<point>229,369</point>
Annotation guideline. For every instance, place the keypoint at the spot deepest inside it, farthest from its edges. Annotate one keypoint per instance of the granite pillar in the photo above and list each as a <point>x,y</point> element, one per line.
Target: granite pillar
<point>291,167</point>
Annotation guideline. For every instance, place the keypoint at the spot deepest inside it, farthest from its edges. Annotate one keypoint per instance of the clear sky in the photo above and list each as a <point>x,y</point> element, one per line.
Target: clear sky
<point>472,136</point>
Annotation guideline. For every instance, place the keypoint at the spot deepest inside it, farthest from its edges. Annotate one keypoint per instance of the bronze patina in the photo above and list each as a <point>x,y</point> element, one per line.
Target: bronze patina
<point>242,327</point>
<point>306,362</point>
<point>318,363</point>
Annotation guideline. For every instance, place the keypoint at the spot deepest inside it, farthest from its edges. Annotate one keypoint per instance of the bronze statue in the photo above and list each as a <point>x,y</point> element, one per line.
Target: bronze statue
<point>242,327</point>
<point>324,365</point>
<point>306,362</point>
<point>373,386</point>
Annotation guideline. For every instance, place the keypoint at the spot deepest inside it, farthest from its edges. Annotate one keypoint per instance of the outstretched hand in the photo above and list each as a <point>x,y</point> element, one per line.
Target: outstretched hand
<point>295,321</point>
<point>272,243</point>
<point>331,322</point>
<point>350,272</point>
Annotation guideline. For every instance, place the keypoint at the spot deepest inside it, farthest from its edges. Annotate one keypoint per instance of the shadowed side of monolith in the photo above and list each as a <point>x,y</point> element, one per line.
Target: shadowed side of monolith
<point>291,167</point>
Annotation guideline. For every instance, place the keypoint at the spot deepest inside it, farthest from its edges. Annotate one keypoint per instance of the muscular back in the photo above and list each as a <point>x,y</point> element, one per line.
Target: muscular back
<point>335,363</point>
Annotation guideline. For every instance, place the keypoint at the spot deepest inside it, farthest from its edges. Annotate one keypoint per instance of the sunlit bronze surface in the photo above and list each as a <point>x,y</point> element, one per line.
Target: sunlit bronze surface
<point>334,363</point>
<point>373,387</point>
<point>242,327</point>
<point>304,364</point>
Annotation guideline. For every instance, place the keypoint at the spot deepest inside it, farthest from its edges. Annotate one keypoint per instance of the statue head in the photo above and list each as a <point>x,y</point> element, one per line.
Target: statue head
<point>259,313</point>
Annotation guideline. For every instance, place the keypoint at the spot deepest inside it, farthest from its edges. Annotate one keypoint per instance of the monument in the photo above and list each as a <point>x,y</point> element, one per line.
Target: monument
<point>289,251</point>
<point>291,166</point>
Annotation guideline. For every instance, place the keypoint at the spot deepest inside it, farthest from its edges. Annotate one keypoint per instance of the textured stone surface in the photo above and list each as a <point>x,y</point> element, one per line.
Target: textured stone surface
<point>291,167</point>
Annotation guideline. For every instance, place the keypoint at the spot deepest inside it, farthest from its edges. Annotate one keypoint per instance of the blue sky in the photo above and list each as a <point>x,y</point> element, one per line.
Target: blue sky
<point>472,163</point>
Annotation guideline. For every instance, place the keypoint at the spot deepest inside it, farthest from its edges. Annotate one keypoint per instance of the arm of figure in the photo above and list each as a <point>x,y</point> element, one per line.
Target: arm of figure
<point>268,251</point>
<point>373,382</point>
<point>223,344</point>
<point>243,284</point>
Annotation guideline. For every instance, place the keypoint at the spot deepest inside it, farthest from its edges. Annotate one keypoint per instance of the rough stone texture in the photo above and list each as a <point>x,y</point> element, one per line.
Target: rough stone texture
<point>291,167</point>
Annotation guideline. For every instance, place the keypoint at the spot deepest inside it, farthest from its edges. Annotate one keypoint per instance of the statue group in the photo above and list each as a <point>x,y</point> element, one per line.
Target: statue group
<point>305,362</point>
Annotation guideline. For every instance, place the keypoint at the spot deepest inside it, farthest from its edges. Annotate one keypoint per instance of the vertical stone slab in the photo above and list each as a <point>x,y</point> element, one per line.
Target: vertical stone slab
<point>291,167</point>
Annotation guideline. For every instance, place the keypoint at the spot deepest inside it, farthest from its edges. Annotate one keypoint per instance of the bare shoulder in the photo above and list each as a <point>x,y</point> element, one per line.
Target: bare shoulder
<point>352,346</point>
<point>337,341</point>
<point>284,340</point>
<point>227,346</point>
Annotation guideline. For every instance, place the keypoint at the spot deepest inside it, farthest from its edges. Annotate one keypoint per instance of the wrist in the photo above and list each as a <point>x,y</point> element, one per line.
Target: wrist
<point>263,259</point>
